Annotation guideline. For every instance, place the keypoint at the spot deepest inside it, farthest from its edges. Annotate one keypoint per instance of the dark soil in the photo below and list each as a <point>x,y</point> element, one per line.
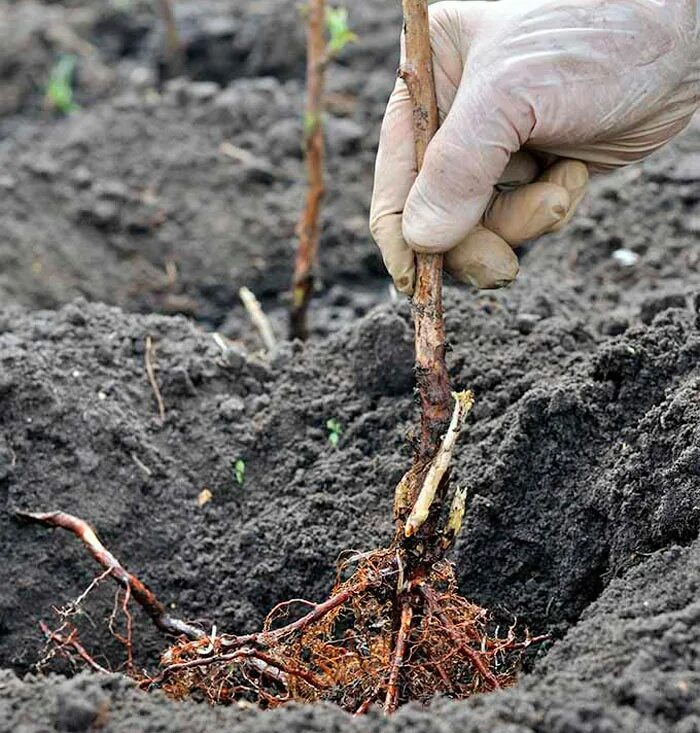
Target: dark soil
<point>582,457</point>
<point>101,203</point>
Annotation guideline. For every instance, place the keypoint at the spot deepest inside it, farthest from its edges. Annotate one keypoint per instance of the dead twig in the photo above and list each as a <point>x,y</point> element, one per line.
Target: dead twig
<point>146,470</point>
<point>150,359</point>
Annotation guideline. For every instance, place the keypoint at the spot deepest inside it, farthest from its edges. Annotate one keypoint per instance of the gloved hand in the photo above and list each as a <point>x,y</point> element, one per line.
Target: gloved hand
<point>533,94</point>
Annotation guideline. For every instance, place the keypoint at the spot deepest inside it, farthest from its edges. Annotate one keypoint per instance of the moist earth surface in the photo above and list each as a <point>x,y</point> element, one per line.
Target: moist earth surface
<point>142,213</point>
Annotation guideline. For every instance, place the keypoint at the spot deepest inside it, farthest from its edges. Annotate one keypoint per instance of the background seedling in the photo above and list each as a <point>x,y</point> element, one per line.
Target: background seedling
<point>321,23</point>
<point>59,89</point>
<point>239,471</point>
<point>334,431</point>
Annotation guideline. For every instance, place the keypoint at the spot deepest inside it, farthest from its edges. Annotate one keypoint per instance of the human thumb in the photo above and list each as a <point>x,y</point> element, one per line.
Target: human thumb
<point>462,164</point>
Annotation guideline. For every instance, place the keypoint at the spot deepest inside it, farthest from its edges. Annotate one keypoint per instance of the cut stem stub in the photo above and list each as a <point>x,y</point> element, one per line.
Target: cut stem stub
<point>439,465</point>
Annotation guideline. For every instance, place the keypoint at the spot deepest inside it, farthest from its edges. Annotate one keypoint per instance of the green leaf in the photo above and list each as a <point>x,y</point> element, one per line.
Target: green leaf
<point>59,89</point>
<point>335,430</point>
<point>239,471</point>
<point>339,33</point>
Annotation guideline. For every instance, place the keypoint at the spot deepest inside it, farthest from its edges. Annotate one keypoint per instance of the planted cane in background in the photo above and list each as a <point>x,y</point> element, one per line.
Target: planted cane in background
<point>327,34</point>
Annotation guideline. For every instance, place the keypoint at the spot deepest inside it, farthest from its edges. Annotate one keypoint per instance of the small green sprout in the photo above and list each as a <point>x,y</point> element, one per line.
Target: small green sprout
<point>339,33</point>
<point>334,431</point>
<point>311,122</point>
<point>59,90</point>
<point>239,471</point>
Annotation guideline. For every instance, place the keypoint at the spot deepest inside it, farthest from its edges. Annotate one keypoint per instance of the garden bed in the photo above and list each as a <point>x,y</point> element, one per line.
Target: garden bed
<point>581,457</point>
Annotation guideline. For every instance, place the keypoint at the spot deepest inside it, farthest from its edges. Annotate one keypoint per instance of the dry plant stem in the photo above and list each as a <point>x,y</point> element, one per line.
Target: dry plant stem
<point>424,541</point>
<point>308,230</point>
<point>150,362</point>
<point>431,368</point>
<point>173,52</point>
<point>132,585</point>
<point>258,317</point>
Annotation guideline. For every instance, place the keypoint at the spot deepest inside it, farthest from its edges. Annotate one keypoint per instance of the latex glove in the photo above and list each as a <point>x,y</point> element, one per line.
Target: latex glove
<point>532,94</point>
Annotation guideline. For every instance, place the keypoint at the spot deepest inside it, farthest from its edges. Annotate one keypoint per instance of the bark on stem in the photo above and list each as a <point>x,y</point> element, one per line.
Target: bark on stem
<point>431,369</point>
<point>173,55</point>
<point>308,230</point>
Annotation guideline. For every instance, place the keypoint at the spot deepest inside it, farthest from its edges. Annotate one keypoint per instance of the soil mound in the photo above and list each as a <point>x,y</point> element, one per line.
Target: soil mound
<point>581,457</point>
<point>581,462</point>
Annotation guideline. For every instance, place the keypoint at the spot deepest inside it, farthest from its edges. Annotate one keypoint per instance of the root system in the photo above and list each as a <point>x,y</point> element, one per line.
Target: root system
<point>393,630</point>
<point>347,651</point>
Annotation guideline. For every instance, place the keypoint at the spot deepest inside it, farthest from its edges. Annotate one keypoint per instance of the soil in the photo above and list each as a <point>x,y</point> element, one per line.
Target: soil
<point>582,455</point>
<point>205,177</point>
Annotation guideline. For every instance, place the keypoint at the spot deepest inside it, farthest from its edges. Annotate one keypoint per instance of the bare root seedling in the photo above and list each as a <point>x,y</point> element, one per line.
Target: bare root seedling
<point>394,628</point>
<point>327,33</point>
